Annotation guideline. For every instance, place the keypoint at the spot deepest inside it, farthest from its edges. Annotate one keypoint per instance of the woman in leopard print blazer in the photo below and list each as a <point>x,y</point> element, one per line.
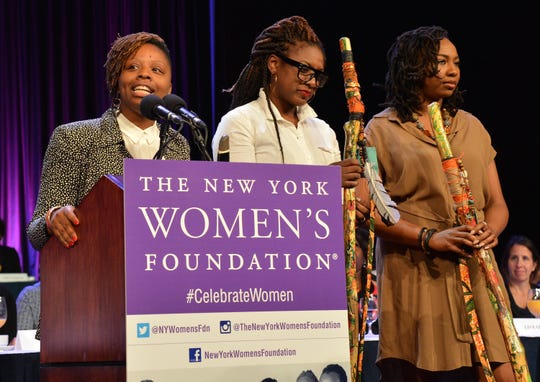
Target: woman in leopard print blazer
<point>80,153</point>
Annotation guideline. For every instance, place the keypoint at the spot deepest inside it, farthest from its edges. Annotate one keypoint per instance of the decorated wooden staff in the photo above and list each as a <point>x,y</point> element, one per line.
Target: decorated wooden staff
<point>353,128</point>
<point>466,214</point>
<point>355,147</point>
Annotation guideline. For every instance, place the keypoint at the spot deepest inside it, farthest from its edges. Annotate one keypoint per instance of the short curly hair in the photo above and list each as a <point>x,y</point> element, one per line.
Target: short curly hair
<point>121,49</point>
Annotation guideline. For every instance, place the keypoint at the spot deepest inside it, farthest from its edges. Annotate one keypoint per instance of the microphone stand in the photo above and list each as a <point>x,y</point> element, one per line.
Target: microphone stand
<point>200,141</point>
<point>164,126</point>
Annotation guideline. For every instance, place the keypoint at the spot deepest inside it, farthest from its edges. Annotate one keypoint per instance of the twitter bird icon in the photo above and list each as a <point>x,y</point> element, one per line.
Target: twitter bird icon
<point>143,330</point>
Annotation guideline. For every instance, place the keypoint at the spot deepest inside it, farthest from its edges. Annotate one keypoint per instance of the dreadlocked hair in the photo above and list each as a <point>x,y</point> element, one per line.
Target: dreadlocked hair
<point>121,49</point>
<point>411,59</point>
<point>277,38</point>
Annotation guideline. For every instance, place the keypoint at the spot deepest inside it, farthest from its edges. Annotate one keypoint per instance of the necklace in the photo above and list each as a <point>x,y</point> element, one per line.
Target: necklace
<point>446,123</point>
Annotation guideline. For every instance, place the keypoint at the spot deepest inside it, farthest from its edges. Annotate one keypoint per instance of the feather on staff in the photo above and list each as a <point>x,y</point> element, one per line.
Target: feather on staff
<point>386,207</point>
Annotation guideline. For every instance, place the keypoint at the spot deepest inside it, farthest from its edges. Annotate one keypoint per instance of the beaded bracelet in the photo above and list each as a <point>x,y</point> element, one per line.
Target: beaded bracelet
<point>429,234</point>
<point>421,236</point>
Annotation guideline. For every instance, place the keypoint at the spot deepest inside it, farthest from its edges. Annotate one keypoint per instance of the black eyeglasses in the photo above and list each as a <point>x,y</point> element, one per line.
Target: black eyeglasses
<point>305,72</point>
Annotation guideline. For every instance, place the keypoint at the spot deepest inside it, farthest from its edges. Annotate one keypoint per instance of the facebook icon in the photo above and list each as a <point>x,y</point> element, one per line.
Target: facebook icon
<point>195,355</point>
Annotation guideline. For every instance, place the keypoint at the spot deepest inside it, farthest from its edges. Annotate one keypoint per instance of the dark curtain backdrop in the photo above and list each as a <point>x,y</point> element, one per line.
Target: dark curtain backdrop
<point>52,55</point>
<point>495,44</point>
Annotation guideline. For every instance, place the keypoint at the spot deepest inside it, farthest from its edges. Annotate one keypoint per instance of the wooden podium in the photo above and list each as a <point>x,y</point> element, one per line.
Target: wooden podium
<point>83,294</point>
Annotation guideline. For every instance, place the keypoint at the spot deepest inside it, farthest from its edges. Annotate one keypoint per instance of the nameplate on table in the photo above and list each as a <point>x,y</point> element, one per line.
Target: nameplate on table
<point>15,277</point>
<point>26,341</point>
<point>371,337</point>
<point>527,327</point>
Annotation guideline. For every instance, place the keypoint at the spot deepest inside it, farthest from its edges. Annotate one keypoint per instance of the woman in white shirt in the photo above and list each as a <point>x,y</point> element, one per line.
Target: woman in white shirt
<point>270,120</point>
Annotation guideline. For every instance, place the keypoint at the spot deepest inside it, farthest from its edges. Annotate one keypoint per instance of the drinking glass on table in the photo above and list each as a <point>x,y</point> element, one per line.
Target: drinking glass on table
<point>371,314</point>
<point>533,301</point>
<point>3,311</point>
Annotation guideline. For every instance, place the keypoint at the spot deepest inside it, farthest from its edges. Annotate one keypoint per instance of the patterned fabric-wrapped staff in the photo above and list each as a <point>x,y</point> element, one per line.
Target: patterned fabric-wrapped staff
<point>466,214</point>
<point>356,147</point>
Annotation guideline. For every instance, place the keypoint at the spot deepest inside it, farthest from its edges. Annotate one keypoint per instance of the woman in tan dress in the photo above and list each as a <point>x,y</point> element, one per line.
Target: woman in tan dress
<point>424,334</point>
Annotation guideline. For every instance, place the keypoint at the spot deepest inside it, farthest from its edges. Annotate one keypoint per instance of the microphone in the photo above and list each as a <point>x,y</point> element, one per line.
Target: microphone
<point>178,105</point>
<point>223,149</point>
<point>153,107</point>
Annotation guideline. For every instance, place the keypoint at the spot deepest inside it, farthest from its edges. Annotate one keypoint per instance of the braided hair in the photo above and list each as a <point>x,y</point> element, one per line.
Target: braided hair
<point>277,38</point>
<point>121,49</point>
<point>411,59</point>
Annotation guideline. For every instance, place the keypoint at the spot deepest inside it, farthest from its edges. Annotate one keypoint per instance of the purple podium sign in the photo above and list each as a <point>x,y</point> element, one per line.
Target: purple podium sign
<point>212,238</point>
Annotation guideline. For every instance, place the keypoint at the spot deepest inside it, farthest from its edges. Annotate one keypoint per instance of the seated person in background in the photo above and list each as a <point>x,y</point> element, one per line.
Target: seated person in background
<point>9,258</point>
<point>535,278</point>
<point>10,327</point>
<point>28,307</point>
<point>520,262</point>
